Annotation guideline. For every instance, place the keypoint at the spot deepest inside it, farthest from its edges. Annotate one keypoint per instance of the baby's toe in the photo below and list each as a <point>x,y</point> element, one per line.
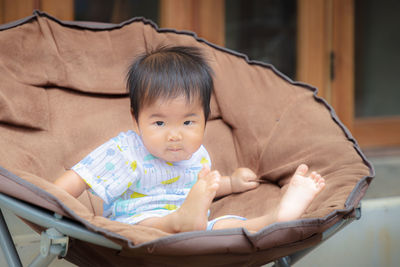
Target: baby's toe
<point>320,182</point>
<point>301,170</point>
<point>215,177</point>
<point>313,175</point>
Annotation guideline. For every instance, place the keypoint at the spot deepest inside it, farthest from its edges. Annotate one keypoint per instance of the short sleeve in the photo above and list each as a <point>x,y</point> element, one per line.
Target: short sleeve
<point>108,171</point>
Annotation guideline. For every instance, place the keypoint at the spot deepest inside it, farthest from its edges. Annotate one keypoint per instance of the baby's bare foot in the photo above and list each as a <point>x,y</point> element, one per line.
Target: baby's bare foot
<point>193,214</point>
<point>301,191</point>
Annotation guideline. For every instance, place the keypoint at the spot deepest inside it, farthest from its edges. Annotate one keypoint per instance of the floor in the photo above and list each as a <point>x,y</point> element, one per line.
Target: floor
<point>374,240</point>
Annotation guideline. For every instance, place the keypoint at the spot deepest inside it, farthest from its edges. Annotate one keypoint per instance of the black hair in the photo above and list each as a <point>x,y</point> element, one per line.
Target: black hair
<point>170,72</point>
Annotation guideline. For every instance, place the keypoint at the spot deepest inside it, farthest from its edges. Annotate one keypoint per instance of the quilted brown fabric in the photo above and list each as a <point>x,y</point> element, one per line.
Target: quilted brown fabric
<point>62,94</point>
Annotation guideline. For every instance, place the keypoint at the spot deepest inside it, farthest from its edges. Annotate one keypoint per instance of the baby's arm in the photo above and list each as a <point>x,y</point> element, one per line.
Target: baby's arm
<point>71,182</point>
<point>242,179</point>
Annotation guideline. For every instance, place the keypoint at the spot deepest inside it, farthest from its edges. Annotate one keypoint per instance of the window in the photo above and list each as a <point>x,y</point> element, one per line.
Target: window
<point>265,30</point>
<point>377,42</point>
<point>115,11</point>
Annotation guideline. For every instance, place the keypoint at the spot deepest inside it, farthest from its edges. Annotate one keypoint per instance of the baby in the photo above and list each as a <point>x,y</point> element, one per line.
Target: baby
<point>159,174</point>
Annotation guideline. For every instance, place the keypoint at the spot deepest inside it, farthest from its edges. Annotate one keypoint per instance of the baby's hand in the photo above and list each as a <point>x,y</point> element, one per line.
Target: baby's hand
<point>243,179</point>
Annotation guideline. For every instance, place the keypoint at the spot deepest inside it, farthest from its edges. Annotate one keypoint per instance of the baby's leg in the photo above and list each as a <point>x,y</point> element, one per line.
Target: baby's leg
<point>193,214</point>
<point>301,191</point>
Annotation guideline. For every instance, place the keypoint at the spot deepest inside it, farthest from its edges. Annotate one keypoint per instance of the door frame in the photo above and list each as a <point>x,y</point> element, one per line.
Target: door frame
<point>326,41</point>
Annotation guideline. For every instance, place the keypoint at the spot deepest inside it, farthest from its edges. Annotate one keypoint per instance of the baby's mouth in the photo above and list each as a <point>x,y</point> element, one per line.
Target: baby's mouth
<point>174,149</point>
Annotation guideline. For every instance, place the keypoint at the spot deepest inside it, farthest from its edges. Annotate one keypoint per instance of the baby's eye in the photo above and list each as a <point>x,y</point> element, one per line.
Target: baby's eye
<point>188,123</point>
<point>159,123</point>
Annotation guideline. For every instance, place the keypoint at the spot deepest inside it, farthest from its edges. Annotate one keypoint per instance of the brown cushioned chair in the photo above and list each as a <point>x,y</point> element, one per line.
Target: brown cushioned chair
<point>62,93</point>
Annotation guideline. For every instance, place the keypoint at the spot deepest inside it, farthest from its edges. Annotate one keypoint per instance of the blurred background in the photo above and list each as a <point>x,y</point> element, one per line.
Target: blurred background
<point>348,49</point>
<point>345,48</point>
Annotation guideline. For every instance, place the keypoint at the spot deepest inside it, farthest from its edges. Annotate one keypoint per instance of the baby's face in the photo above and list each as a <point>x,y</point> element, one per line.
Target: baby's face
<point>172,129</point>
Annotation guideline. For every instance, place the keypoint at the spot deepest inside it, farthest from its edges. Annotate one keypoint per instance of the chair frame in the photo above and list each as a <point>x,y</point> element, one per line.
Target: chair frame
<point>54,240</point>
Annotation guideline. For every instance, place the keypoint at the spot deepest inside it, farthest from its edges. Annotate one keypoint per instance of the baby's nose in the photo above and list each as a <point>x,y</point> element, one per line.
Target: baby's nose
<point>174,136</point>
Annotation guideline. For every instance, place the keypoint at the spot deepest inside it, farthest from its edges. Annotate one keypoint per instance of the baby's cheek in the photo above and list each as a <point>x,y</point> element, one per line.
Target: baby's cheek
<point>196,141</point>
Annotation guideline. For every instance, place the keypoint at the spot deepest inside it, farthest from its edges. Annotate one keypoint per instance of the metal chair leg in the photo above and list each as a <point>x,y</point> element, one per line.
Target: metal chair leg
<point>282,262</point>
<point>7,244</point>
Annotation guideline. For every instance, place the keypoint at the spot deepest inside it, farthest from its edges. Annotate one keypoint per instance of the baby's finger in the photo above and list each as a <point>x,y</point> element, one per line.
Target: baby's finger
<point>252,185</point>
<point>249,186</point>
<point>261,181</point>
<point>252,177</point>
<point>249,174</point>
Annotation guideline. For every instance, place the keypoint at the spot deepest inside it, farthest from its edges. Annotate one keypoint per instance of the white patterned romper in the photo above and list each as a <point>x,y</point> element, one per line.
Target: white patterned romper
<point>134,184</point>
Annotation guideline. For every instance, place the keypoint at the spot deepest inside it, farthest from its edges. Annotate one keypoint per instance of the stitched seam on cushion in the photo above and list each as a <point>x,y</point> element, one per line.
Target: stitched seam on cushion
<point>275,127</point>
